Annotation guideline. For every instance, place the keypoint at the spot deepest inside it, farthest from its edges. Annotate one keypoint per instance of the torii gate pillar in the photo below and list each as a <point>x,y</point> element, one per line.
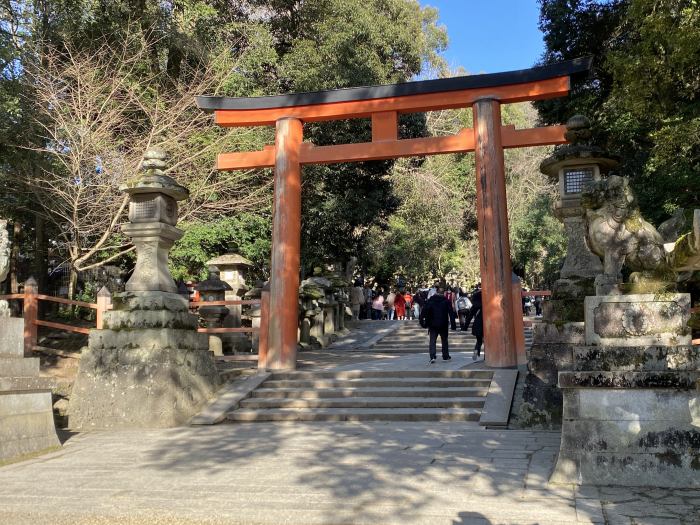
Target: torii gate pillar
<point>494,243</point>
<point>286,247</point>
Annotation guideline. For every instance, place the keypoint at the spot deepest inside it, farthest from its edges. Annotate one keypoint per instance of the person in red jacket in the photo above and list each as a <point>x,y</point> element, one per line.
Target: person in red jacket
<point>400,306</point>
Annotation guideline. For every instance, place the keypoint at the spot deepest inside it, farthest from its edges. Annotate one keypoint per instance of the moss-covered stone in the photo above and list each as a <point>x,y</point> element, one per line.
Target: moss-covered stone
<point>563,310</point>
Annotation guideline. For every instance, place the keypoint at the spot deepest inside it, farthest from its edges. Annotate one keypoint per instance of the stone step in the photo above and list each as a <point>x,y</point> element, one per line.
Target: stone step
<point>423,382</point>
<point>325,393</point>
<point>358,374</point>
<point>357,414</point>
<point>19,366</point>
<point>364,402</point>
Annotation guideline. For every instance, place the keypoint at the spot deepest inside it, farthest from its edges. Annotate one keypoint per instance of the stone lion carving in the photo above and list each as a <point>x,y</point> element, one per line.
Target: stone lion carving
<point>619,235</point>
<point>616,231</point>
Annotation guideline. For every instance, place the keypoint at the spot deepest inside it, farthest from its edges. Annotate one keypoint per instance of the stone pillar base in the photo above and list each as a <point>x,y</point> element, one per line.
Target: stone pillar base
<point>631,417</point>
<point>147,368</point>
<point>26,412</point>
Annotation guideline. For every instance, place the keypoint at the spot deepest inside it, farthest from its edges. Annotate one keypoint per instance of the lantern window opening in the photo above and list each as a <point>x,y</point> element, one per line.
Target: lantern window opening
<point>574,179</point>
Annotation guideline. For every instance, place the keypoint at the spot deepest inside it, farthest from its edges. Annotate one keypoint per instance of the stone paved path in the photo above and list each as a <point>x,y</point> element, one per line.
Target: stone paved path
<point>307,473</point>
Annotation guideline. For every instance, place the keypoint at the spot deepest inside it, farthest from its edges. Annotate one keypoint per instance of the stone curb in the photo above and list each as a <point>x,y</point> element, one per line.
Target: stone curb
<point>229,397</point>
<point>499,398</point>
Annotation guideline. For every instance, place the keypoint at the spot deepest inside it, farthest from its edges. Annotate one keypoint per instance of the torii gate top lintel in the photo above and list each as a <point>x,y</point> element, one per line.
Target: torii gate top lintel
<point>383,104</point>
<point>558,70</point>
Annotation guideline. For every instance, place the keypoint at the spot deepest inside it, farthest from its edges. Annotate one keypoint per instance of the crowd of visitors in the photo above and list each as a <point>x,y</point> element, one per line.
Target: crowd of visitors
<point>438,308</point>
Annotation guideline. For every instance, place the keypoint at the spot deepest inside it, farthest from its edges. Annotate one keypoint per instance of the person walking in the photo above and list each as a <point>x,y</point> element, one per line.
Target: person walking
<point>400,306</point>
<point>463,307</point>
<point>451,297</point>
<point>390,301</point>
<point>538,306</point>
<point>418,303</point>
<point>368,301</point>
<point>435,316</point>
<point>409,304</point>
<point>357,299</point>
<point>478,326</point>
<point>378,306</point>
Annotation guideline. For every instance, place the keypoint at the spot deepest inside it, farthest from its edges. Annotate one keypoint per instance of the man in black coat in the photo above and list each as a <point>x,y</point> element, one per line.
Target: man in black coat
<point>435,316</point>
<point>478,326</point>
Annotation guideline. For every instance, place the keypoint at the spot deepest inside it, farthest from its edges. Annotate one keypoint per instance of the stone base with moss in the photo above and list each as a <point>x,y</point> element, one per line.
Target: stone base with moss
<point>148,368</point>
<point>631,401</point>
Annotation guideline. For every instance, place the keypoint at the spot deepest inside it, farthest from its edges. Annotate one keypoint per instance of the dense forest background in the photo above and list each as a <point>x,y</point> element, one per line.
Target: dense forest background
<point>87,85</point>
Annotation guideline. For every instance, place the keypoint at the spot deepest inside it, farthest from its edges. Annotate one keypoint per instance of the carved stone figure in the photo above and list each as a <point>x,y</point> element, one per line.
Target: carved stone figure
<point>4,263</point>
<point>618,233</point>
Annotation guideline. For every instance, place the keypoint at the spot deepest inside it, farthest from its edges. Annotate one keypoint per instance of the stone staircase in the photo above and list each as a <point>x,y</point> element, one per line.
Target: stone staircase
<point>412,393</point>
<point>411,338</point>
<point>367,395</point>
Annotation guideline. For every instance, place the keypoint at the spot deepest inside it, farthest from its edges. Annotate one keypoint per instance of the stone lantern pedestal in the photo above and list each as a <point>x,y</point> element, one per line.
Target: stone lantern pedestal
<point>539,400</point>
<point>148,366</point>
<point>213,289</point>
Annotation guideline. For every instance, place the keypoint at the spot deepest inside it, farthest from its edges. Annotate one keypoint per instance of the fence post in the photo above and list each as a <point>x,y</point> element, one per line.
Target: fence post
<point>30,307</point>
<point>104,303</point>
<point>517,294</point>
<point>264,327</point>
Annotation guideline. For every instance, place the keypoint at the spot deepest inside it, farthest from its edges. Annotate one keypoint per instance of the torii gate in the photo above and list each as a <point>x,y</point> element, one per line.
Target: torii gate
<point>484,93</point>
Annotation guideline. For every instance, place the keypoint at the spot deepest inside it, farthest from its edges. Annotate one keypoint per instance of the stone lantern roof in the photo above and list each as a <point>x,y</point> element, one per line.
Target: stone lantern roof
<point>153,179</point>
<point>231,259</point>
<point>578,151</point>
<point>213,283</point>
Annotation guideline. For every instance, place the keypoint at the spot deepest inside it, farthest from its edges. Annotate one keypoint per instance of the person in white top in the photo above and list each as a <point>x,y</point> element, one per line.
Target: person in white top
<point>357,297</point>
<point>390,305</point>
<point>432,291</point>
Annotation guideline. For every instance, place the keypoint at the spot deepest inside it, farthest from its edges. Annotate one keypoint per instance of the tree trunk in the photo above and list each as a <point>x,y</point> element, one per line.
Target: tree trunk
<point>72,282</point>
<point>40,271</point>
<point>41,264</point>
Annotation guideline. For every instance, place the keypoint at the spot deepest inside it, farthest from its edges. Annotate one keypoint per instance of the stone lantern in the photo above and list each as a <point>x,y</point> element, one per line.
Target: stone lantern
<point>147,366</point>
<point>151,226</point>
<point>233,269</point>
<point>213,289</point>
<point>572,166</point>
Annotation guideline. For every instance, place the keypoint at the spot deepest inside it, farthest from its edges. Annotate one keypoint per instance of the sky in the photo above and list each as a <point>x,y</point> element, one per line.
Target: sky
<point>488,36</point>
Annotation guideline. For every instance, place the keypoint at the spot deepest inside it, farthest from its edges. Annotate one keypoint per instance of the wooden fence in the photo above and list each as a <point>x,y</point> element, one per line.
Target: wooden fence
<point>30,308</point>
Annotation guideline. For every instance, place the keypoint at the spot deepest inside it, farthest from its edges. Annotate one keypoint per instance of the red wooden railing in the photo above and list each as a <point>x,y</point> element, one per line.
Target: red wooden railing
<point>197,304</point>
<point>534,293</point>
<point>30,307</point>
<point>264,303</point>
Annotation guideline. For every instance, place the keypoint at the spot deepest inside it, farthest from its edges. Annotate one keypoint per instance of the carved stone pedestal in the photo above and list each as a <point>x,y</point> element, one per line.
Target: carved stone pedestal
<point>148,368</point>
<point>26,414</point>
<point>631,403</point>
<point>631,417</point>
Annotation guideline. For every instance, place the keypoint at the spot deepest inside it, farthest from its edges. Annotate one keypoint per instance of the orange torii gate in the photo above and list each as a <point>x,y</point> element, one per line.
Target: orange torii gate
<point>383,104</point>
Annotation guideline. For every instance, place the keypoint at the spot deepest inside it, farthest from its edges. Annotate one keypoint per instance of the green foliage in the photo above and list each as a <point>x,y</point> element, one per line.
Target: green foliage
<point>433,231</point>
<point>257,47</point>
<point>246,234</point>
<point>538,244</point>
<point>643,93</point>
